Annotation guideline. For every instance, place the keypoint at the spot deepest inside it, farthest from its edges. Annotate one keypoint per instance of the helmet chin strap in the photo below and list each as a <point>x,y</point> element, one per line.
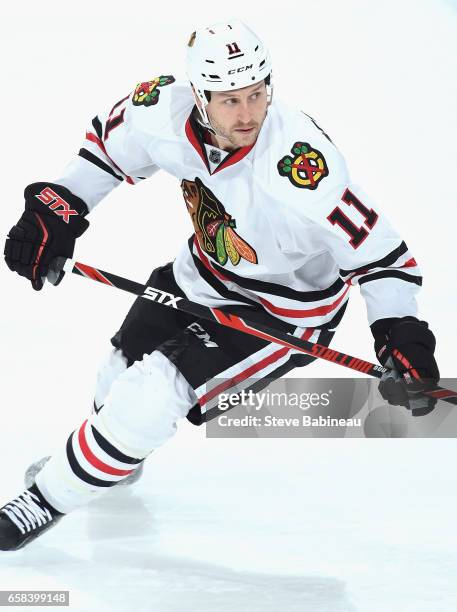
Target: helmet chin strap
<point>206,124</point>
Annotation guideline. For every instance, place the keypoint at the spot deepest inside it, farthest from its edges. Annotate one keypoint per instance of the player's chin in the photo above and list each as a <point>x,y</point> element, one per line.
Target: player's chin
<point>245,138</point>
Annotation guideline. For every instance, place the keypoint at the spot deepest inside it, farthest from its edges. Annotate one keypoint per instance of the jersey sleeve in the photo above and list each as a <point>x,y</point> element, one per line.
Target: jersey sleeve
<point>335,215</point>
<point>114,150</point>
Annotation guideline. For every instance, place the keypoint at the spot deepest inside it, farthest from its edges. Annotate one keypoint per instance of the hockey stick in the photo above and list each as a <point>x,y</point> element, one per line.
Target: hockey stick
<point>240,324</point>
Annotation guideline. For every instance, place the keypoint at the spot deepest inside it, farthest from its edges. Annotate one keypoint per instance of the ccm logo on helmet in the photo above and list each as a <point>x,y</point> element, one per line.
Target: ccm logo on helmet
<point>242,69</point>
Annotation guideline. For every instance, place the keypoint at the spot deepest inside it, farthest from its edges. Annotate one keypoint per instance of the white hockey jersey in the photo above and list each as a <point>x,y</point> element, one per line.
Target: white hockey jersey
<point>277,224</point>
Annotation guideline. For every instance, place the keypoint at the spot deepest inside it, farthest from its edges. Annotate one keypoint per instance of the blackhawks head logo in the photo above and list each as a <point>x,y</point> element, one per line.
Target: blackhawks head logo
<point>214,227</point>
<point>306,167</point>
<point>148,93</point>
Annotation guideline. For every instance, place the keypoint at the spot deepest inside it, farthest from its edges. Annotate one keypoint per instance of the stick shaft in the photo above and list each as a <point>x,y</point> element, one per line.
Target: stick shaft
<point>232,321</point>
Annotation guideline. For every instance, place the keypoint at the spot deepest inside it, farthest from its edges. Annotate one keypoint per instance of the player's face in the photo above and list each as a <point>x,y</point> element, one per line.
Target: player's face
<point>238,115</point>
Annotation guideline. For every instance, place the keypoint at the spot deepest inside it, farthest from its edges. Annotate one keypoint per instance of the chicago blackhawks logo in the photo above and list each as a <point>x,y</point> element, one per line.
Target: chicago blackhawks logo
<point>214,227</point>
<point>305,168</point>
<point>148,92</point>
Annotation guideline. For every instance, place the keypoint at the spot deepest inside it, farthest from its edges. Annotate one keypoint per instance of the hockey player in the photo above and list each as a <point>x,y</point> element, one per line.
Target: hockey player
<point>279,230</point>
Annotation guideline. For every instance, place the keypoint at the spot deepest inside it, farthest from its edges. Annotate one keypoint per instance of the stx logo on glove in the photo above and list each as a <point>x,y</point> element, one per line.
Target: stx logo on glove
<point>156,295</point>
<point>50,198</point>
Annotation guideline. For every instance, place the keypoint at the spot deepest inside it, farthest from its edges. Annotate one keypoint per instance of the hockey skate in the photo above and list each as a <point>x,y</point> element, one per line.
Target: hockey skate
<point>25,518</point>
<point>32,471</point>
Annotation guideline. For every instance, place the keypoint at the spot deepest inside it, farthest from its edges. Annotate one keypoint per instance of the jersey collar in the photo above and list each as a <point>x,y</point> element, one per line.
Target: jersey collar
<point>195,135</point>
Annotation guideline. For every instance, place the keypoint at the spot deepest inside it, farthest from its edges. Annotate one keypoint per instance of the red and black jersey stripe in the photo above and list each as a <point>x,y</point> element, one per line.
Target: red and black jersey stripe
<point>93,159</point>
<point>256,285</point>
<point>410,278</point>
<point>365,274</point>
<point>385,262</point>
<point>277,290</point>
<point>97,125</point>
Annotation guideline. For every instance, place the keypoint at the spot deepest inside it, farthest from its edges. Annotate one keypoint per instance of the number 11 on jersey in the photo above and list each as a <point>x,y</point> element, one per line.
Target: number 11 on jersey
<point>357,234</point>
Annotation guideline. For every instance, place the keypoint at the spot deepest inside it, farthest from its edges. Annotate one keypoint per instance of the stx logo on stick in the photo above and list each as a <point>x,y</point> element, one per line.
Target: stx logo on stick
<point>50,198</point>
<point>156,295</point>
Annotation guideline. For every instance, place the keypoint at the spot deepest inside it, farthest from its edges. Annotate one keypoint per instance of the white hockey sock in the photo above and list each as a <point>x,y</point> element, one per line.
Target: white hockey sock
<point>88,466</point>
<point>139,415</point>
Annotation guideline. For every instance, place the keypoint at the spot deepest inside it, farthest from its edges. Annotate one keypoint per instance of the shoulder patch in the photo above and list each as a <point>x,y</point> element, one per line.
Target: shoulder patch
<point>148,92</point>
<point>305,168</point>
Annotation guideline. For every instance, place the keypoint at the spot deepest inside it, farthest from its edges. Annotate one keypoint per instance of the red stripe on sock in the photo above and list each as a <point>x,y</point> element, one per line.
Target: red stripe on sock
<point>93,460</point>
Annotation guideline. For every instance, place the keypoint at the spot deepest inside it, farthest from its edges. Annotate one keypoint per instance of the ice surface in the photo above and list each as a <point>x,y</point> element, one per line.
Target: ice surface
<point>340,525</point>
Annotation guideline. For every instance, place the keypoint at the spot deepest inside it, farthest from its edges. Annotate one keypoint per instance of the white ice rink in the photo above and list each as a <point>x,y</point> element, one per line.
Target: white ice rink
<point>253,525</point>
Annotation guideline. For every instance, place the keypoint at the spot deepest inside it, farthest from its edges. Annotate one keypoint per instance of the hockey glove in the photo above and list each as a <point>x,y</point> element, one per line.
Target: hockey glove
<point>406,346</point>
<point>52,220</point>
